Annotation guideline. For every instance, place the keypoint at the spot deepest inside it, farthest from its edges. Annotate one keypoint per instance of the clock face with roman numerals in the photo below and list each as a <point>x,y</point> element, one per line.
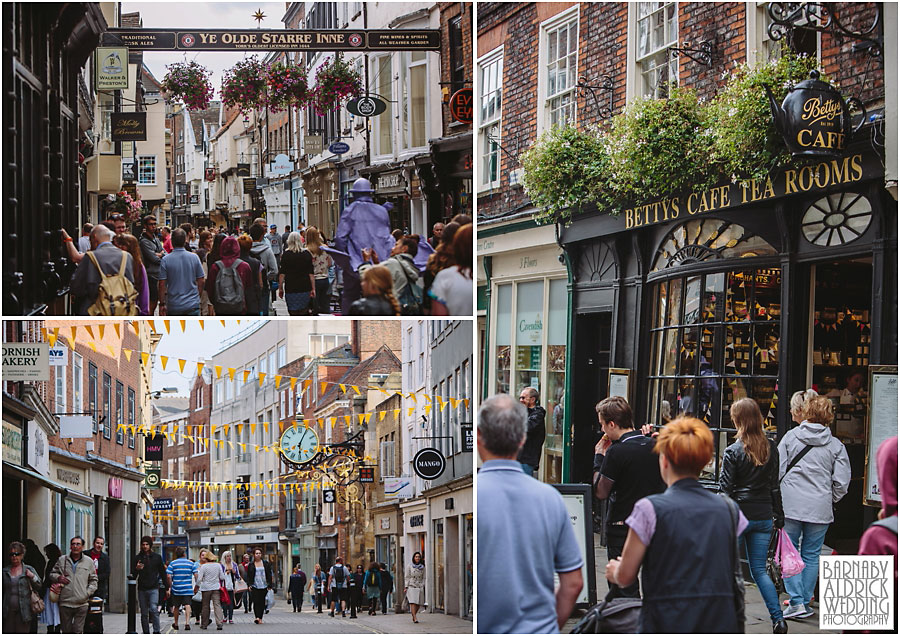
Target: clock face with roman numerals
<point>298,445</point>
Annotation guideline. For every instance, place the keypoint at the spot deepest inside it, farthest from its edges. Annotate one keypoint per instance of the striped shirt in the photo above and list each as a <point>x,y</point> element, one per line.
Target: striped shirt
<point>182,573</point>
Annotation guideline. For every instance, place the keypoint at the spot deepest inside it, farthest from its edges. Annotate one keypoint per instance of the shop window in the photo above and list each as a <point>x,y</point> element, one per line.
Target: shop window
<point>60,389</point>
<point>709,239</point>
<point>120,411</point>
<point>77,382</point>
<point>559,68</point>
<point>131,413</point>
<point>799,38</point>
<point>554,398</point>
<point>837,219</point>
<point>107,406</point>
<point>657,30</point>
<point>503,337</point>
<point>92,395</point>
<point>146,169</point>
<point>529,334</point>
<point>490,79</point>
<point>715,339</point>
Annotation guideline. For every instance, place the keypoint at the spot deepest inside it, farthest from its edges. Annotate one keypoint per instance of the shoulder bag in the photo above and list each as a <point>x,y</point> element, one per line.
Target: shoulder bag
<point>37,603</point>
<point>773,565</point>
<point>611,616</point>
<point>794,461</point>
<point>56,588</point>
<point>240,585</point>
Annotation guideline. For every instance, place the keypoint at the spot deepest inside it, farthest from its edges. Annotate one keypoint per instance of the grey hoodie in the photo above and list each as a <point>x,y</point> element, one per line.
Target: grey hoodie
<point>403,271</point>
<point>262,251</point>
<point>820,479</point>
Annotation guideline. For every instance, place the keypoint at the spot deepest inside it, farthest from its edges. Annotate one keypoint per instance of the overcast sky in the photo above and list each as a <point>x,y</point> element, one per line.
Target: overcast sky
<point>192,345</point>
<point>198,15</point>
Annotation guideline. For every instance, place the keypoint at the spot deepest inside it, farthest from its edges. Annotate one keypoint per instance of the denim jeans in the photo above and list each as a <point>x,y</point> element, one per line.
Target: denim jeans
<point>264,299</point>
<point>808,539</point>
<point>228,608</point>
<point>528,469</point>
<point>756,542</point>
<point>149,601</point>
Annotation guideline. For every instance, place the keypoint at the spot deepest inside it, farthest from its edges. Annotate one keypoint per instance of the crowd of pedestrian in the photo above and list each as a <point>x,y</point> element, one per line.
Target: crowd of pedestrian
<point>367,269</point>
<point>680,537</point>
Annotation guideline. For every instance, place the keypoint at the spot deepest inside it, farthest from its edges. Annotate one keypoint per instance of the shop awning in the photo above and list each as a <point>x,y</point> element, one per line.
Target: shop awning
<point>77,506</point>
<point>24,473</point>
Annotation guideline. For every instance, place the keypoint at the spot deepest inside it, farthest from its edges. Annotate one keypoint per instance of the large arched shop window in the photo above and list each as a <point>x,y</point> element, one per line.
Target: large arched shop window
<point>715,337</point>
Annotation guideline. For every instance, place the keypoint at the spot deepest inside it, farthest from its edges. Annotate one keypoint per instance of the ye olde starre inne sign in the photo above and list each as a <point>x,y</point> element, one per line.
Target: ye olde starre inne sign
<point>275,40</point>
<point>429,463</point>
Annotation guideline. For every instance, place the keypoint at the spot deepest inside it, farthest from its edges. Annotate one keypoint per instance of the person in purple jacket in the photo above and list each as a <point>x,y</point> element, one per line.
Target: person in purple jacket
<point>363,225</point>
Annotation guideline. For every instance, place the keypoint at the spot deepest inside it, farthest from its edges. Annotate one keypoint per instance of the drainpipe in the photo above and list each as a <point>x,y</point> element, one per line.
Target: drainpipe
<point>568,431</point>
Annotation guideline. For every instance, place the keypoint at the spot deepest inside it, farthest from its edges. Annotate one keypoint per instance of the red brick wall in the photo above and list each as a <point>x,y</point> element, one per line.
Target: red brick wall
<point>724,24</point>
<point>372,334</point>
<point>450,10</point>
<point>856,73</point>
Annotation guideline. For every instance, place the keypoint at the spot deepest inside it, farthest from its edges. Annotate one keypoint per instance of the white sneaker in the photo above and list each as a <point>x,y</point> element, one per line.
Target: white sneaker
<point>796,612</point>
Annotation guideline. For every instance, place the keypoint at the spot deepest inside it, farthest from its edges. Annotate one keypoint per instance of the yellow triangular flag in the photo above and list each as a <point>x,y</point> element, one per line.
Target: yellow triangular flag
<point>112,352</point>
<point>182,325</point>
<point>181,364</point>
<point>293,384</point>
<point>356,388</point>
<point>117,328</point>
<point>306,383</point>
<point>427,409</point>
<point>231,373</point>
<point>51,338</point>
<point>277,381</point>
<point>164,360</point>
<point>246,375</point>
<point>360,417</point>
<point>240,427</point>
<point>333,421</point>
<point>266,427</point>
<point>218,369</point>
<point>324,386</point>
<point>92,346</point>
<point>166,324</point>
<point>381,415</point>
<point>100,329</point>
<point>252,428</point>
<point>90,331</point>
<point>347,419</point>
<point>127,353</point>
<point>144,357</point>
<point>262,378</point>
<point>200,322</point>
<point>412,410</point>
<point>200,368</point>
<point>223,322</point>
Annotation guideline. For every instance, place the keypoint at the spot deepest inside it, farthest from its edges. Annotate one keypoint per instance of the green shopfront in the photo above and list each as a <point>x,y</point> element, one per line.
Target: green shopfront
<point>754,289</point>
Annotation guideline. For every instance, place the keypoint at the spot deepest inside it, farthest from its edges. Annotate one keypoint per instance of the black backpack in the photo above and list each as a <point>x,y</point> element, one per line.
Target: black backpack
<point>338,574</point>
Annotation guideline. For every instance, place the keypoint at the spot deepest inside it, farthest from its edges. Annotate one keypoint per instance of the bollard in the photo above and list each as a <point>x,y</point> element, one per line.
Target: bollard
<point>132,605</point>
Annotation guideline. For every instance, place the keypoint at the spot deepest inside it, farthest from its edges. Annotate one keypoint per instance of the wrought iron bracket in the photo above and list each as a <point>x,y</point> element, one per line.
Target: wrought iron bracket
<point>605,86</point>
<point>822,17</point>
<point>702,53</point>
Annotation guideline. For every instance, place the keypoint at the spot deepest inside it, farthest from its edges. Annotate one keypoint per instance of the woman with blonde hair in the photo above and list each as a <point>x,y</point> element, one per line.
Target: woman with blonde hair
<point>798,399</point>
<point>322,264</point>
<point>750,477</point>
<point>128,243</point>
<point>378,294</point>
<point>210,578</point>
<point>296,283</point>
<point>687,567</point>
<point>230,569</point>
<point>815,474</point>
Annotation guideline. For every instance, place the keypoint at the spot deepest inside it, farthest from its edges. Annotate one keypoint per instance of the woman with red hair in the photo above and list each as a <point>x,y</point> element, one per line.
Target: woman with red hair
<point>684,541</point>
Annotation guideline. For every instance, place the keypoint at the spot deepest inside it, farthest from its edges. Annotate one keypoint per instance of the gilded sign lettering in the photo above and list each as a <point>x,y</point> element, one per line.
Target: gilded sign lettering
<point>826,174</point>
<point>272,40</point>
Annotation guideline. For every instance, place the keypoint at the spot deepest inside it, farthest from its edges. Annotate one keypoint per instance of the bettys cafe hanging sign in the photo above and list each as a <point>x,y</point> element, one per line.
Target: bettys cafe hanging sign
<point>276,39</point>
<point>813,177</point>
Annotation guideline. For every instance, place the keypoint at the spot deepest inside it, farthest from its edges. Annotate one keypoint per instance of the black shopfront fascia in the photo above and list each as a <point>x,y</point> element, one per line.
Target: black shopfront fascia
<point>613,292</point>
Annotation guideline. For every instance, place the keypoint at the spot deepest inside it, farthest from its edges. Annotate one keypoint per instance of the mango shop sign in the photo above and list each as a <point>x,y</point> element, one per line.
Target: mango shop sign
<point>429,463</point>
<point>276,40</point>
<point>827,174</point>
<point>128,126</point>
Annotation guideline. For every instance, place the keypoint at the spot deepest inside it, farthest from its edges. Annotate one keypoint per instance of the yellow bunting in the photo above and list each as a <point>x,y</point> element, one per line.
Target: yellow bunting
<point>356,388</point>
<point>427,398</point>
<point>252,428</point>
<point>454,402</point>
<point>166,323</point>
<point>381,415</point>
<point>412,410</point>
<point>117,327</point>
<point>92,346</point>
<point>100,329</point>
<point>246,375</point>
<point>218,369</point>
<point>412,396</point>
<point>293,384</point>
<point>223,322</point>
<point>127,353</point>
<point>324,386</point>
<point>226,428</point>
<point>112,352</point>
<point>164,360</point>
<point>360,418</point>
<point>72,331</point>
<point>347,419</point>
<point>277,381</point>
<point>466,400</point>
<point>144,357</point>
<point>306,383</point>
<point>266,427</point>
<point>200,322</point>
<point>427,409</point>
<point>333,422</point>
<point>343,387</point>
<point>262,378</point>
<point>281,426</point>
<point>52,338</point>
<point>240,427</point>
<point>231,373</point>
<point>181,364</point>
<point>90,331</point>
<point>200,366</point>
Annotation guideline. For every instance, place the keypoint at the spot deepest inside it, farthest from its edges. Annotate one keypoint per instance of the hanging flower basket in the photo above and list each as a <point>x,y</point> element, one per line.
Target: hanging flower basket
<point>188,82</point>
<point>244,85</point>
<point>335,80</point>
<point>122,203</point>
<point>287,86</point>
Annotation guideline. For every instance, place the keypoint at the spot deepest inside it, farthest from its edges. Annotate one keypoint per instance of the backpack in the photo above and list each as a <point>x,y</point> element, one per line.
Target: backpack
<point>229,289</point>
<point>410,298</point>
<point>338,574</point>
<point>116,295</point>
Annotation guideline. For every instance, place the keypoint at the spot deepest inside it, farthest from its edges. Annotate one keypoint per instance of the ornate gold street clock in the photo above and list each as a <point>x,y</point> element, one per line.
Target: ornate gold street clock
<point>298,445</point>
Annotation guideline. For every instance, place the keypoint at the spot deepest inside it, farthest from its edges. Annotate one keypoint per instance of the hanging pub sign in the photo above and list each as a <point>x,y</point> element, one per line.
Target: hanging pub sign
<point>367,474</point>
<point>210,174</point>
<point>153,448</point>
<point>128,126</point>
<point>249,185</point>
<point>195,199</point>
<point>313,144</point>
<point>111,68</point>
<point>275,40</point>
<point>338,148</point>
<point>814,119</point>
<point>152,478</point>
<point>366,106</point>
<point>429,463</point>
<point>128,173</point>
<point>461,106</point>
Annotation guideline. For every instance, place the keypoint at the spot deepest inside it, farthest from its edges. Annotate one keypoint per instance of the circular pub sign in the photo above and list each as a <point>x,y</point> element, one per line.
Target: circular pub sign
<point>461,106</point>
<point>429,463</point>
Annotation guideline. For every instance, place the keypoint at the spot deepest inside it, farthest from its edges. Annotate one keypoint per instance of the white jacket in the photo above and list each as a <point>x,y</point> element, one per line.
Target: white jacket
<point>819,480</point>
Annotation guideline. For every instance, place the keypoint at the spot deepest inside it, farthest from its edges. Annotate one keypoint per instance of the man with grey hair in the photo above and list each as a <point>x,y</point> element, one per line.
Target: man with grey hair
<point>530,455</point>
<point>86,280</point>
<point>523,524</point>
<point>181,279</point>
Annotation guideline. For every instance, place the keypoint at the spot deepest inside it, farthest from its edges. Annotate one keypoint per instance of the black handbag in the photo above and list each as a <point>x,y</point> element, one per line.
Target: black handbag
<point>773,567</point>
<point>619,615</point>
